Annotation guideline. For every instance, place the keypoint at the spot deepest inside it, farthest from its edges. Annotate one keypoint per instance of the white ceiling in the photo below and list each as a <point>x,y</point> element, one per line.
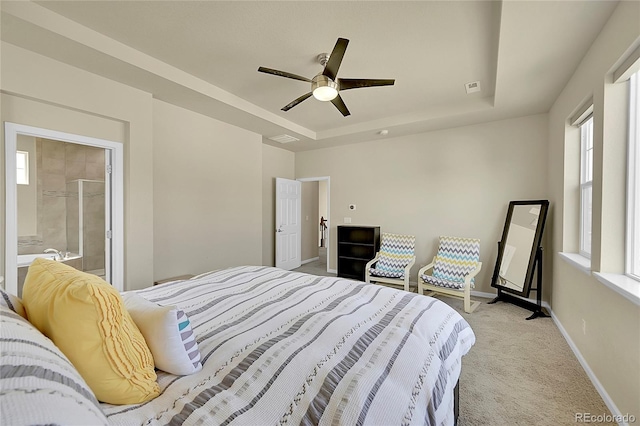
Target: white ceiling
<point>522,52</point>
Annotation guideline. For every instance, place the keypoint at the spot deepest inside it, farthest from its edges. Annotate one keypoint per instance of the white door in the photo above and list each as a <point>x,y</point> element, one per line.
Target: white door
<point>288,228</point>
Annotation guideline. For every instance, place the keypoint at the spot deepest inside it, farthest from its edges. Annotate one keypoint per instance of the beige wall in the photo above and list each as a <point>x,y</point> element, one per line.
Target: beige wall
<point>208,216</point>
<point>207,195</point>
<point>310,220</point>
<point>49,94</point>
<point>451,182</point>
<point>610,344</point>
<point>276,162</point>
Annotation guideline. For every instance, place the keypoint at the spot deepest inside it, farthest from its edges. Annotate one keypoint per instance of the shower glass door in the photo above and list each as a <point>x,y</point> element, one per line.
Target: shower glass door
<point>86,226</point>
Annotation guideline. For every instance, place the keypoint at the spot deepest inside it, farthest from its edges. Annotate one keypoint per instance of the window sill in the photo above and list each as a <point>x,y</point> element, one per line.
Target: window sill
<point>578,261</point>
<point>622,284</point>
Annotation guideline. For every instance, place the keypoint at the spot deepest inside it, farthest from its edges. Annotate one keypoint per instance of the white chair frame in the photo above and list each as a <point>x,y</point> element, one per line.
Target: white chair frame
<point>464,294</point>
<point>404,282</point>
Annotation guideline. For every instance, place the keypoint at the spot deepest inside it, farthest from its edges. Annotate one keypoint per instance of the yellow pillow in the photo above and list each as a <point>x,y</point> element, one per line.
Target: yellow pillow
<point>85,317</point>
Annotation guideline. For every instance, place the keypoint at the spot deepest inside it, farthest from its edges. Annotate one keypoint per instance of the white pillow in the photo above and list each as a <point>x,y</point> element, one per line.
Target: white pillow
<point>168,333</point>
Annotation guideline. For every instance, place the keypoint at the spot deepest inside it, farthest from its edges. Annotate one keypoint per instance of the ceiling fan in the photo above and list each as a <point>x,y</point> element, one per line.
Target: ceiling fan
<point>326,86</point>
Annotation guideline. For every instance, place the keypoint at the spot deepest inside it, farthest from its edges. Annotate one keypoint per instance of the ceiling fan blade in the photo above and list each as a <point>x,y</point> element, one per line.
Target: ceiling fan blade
<point>283,74</point>
<point>356,83</point>
<point>339,103</point>
<point>297,101</point>
<point>335,58</point>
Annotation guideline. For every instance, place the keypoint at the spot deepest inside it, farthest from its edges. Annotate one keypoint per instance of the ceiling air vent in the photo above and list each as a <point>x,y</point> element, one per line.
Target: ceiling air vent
<point>284,139</point>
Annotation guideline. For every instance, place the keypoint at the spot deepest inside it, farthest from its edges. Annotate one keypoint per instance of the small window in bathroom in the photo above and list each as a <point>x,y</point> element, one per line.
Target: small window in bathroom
<point>22,165</point>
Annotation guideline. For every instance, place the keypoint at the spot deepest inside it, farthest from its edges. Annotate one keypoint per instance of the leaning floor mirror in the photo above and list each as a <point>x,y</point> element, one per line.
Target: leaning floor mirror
<point>519,250</point>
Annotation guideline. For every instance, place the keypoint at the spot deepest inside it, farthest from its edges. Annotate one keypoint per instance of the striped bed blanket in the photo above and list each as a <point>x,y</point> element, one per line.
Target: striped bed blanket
<point>281,347</point>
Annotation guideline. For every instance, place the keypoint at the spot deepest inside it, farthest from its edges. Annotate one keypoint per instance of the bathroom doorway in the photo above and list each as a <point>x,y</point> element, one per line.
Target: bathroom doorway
<point>64,201</point>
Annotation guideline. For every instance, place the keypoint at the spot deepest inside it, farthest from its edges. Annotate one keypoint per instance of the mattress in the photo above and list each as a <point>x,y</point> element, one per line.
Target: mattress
<point>280,347</point>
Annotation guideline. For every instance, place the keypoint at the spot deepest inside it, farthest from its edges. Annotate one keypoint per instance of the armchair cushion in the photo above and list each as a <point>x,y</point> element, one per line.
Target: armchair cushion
<point>386,274</point>
<point>456,258</point>
<point>430,279</point>
<point>396,252</point>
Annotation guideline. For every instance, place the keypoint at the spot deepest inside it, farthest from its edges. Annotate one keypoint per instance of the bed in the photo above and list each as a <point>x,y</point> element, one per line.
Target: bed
<point>281,347</point>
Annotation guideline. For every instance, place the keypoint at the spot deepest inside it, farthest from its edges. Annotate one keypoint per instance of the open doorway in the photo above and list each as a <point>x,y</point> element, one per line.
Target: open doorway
<point>315,208</point>
<point>67,204</point>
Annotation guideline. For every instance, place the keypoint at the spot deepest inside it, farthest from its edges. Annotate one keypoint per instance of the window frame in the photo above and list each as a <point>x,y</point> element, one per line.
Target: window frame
<point>586,184</point>
<point>632,234</point>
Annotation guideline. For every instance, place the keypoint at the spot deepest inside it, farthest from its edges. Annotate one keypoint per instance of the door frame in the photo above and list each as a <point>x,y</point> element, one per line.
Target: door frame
<point>115,202</point>
<point>328,238</point>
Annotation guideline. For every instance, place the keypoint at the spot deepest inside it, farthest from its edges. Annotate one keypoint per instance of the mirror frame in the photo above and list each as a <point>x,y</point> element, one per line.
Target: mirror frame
<point>537,239</point>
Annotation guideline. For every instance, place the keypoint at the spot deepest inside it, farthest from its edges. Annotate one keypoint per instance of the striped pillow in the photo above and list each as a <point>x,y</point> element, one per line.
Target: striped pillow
<point>12,302</point>
<point>168,333</point>
<point>38,384</point>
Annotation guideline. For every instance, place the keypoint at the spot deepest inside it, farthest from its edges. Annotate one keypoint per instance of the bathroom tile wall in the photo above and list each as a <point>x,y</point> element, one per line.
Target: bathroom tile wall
<point>60,165</point>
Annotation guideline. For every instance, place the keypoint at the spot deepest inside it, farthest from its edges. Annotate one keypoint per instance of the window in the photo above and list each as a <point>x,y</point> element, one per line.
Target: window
<point>633,185</point>
<point>586,185</point>
<point>22,164</point>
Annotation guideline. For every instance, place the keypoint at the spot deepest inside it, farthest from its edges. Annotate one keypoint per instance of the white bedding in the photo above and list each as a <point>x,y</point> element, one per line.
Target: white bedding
<point>281,347</point>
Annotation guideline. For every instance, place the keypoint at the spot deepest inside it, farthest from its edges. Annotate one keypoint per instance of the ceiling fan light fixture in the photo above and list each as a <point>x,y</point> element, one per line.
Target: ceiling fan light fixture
<point>323,88</point>
<point>326,85</point>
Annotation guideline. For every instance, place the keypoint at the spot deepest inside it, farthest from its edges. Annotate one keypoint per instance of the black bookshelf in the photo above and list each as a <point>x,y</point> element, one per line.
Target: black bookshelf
<point>356,246</point>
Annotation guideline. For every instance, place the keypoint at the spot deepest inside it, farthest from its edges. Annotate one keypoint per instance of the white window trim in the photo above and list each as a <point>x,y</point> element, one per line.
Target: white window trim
<point>582,251</point>
<point>584,184</point>
<point>621,284</point>
<point>632,247</point>
<point>580,262</point>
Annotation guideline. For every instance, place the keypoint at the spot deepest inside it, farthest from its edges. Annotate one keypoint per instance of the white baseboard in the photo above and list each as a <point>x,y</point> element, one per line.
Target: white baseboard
<point>313,259</point>
<point>332,271</point>
<point>483,294</point>
<point>596,383</point>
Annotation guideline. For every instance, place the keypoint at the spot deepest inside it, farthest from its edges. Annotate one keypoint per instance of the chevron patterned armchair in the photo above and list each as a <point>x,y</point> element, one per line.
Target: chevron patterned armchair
<point>392,264</point>
<point>453,270</point>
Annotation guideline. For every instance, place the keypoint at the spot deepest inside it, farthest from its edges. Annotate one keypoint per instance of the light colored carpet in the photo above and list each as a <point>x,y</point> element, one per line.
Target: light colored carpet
<point>519,372</point>
<point>317,267</point>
